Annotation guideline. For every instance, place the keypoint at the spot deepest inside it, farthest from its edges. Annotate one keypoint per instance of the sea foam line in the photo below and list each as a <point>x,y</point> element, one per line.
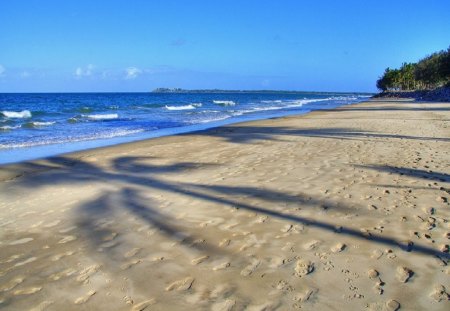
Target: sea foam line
<point>99,117</point>
<point>224,102</point>
<point>17,114</point>
<point>185,107</point>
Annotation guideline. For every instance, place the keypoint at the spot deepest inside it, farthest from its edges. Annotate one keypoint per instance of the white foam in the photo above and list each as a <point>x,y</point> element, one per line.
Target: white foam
<point>39,124</point>
<point>69,139</point>
<point>8,127</point>
<point>185,107</point>
<point>224,102</point>
<point>98,117</point>
<point>17,114</point>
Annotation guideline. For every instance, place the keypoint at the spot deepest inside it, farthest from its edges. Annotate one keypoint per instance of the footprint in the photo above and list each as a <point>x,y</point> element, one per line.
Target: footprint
<point>87,272</point>
<point>12,284</point>
<point>199,260</point>
<point>251,267</point>
<point>128,265</point>
<point>224,242</point>
<point>404,274</point>
<point>222,266</point>
<point>439,293</point>
<point>64,273</point>
<point>52,224</point>
<point>66,239</point>
<point>277,262</point>
<point>339,247</point>
<point>132,252</point>
<point>226,305</point>
<point>59,256</point>
<point>21,241</point>
<point>306,295</point>
<point>303,267</point>
<point>85,298</point>
<point>180,285</point>
<point>311,245</point>
<point>143,305</point>
<point>26,261</point>
<point>27,291</point>
<point>42,306</point>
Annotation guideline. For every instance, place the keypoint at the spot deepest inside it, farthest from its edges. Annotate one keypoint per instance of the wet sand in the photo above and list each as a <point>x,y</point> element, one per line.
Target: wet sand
<point>346,209</point>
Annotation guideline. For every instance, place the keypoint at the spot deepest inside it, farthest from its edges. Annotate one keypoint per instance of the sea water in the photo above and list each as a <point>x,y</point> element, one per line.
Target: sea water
<point>40,125</point>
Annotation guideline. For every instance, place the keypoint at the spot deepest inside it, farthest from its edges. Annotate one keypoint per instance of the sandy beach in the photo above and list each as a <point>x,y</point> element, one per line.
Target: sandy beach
<point>344,209</point>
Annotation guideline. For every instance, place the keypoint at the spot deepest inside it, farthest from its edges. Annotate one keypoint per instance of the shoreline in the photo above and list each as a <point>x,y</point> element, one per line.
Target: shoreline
<point>345,208</point>
<point>106,143</point>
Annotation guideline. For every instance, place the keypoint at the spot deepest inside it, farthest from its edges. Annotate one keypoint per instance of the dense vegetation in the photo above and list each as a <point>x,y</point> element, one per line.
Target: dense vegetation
<point>429,73</point>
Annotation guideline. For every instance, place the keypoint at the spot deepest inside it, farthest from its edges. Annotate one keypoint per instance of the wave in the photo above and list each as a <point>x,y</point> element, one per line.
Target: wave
<point>224,102</point>
<point>100,117</point>
<point>37,124</point>
<point>8,127</point>
<point>185,107</point>
<point>17,114</point>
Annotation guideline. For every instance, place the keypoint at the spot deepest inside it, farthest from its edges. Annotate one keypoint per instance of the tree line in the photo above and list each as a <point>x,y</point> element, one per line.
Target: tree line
<point>431,72</point>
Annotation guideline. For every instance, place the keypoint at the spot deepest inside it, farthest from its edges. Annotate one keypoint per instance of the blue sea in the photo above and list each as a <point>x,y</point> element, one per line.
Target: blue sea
<point>39,125</point>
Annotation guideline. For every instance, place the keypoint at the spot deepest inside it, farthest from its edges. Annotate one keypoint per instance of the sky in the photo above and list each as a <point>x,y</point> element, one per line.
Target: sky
<point>138,45</point>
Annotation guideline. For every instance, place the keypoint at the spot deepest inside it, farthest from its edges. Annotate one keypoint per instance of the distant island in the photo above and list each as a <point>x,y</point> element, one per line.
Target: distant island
<point>180,90</point>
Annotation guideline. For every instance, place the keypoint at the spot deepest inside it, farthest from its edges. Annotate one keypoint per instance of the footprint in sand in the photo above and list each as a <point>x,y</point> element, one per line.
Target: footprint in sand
<point>65,273</point>
<point>21,241</point>
<point>439,293</point>
<point>59,256</point>
<point>306,295</point>
<point>181,285</point>
<point>311,245</point>
<point>12,284</point>
<point>143,305</point>
<point>27,291</point>
<point>85,298</point>
<point>222,266</point>
<point>226,305</point>
<point>251,267</point>
<point>42,306</point>
<point>52,224</point>
<point>26,261</point>
<point>403,274</point>
<point>87,272</point>
<point>130,264</point>
<point>268,306</point>
<point>199,260</point>
<point>303,267</point>
<point>338,248</point>
<point>132,252</point>
<point>66,239</point>
<point>224,242</point>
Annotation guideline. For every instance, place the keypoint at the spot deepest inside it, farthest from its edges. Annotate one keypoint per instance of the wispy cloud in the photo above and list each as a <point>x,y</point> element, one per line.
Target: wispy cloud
<point>2,71</point>
<point>132,72</point>
<point>84,72</point>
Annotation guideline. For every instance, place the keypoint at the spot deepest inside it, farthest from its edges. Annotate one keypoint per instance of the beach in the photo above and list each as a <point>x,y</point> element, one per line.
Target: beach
<point>342,209</point>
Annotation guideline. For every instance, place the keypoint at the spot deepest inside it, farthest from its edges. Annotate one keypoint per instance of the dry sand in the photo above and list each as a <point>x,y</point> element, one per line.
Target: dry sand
<point>335,210</point>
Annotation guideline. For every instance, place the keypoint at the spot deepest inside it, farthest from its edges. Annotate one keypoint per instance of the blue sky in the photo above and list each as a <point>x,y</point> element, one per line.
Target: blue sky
<point>133,45</point>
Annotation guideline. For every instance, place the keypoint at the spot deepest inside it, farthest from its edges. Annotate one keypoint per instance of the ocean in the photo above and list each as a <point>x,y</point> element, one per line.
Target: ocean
<point>40,125</point>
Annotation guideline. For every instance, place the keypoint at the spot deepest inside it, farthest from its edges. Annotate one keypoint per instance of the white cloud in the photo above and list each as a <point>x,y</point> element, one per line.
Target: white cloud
<point>132,72</point>
<point>84,72</point>
<point>2,71</point>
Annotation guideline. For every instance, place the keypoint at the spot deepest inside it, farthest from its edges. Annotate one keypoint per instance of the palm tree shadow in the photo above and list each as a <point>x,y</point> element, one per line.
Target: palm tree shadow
<point>137,175</point>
